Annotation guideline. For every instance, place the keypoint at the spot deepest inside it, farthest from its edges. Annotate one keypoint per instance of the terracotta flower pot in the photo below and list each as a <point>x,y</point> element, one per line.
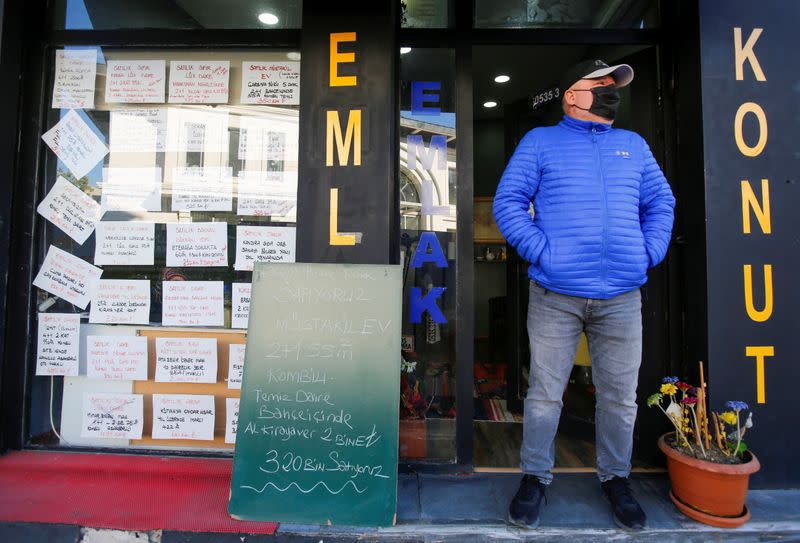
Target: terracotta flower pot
<point>708,492</point>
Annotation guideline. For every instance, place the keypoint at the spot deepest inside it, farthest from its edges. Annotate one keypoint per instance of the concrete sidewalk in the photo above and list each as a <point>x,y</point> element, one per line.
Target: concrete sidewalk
<point>472,508</point>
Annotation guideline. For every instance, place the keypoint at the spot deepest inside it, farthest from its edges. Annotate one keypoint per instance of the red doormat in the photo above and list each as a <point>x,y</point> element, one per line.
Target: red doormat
<point>124,492</point>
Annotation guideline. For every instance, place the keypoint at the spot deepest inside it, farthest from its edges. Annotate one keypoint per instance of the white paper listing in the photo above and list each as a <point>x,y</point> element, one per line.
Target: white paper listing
<point>198,244</point>
<point>235,364</point>
<point>231,419</point>
<point>183,416</point>
<point>117,416</point>
<point>197,130</point>
<point>192,303</point>
<point>74,78</point>
<point>135,81</point>
<point>68,277</point>
<point>263,244</point>
<point>186,360</point>
<point>75,144</point>
<point>198,82</point>
<point>122,243</point>
<point>240,305</point>
<point>116,358</point>
<point>269,139</point>
<point>202,189</point>
<point>131,189</point>
<point>270,83</point>
<point>138,130</point>
<point>263,193</point>
<point>67,207</point>
<point>58,344</point>
<point>121,301</point>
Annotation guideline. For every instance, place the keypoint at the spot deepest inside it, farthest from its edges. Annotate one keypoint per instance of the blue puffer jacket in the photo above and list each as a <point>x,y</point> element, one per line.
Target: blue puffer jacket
<point>603,208</point>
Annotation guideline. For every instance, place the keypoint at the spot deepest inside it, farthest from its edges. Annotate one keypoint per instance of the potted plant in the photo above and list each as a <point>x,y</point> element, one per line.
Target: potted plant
<point>709,475</point>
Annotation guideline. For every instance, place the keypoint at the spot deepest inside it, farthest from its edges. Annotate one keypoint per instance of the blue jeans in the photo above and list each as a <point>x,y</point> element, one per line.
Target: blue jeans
<point>614,331</point>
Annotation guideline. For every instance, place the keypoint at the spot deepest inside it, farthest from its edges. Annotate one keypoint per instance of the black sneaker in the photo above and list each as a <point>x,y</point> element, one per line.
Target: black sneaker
<point>524,509</point>
<point>628,515</point>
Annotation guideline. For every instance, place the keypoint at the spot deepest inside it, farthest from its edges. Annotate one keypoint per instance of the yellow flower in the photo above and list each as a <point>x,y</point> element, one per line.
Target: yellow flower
<point>669,389</point>
<point>728,417</point>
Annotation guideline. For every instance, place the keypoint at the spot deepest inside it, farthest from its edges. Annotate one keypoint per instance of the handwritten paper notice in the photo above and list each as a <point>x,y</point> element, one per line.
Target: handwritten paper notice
<point>202,82</point>
<point>266,193</point>
<point>198,129</point>
<point>272,140</point>
<point>138,130</point>
<point>183,416</point>
<point>121,301</point>
<point>69,208</point>
<point>68,277</point>
<point>235,365</point>
<point>198,244</point>
<point>75,144</point>
<point>135,81</point>
<point>119,416</point>
<point>271,83</point>
<point>186,360</point>
<point>263,244</point>
<point>202,189</point>
<point>116,358</point>
<point>192,303</point>
<point>240,305</point>
<point>121,243</point>
<point>73,82</point>
<point>59,344</point>
<point>231,419</point>
<point>131,189</point>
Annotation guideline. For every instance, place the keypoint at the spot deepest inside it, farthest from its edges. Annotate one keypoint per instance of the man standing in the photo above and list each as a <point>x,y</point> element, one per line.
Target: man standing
<point>603,214</point>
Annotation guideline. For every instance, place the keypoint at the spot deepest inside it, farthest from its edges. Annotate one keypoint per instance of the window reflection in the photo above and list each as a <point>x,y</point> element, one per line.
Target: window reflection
<point>566,13</point>
<point>428,221</point>
<point>177,14</point>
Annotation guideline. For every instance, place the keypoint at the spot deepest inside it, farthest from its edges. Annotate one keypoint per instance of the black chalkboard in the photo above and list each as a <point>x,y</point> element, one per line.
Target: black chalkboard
<point>318,415</point>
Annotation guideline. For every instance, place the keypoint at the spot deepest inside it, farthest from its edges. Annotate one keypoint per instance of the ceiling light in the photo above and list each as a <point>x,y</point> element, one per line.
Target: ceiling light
<point>489,104</point>
<point>268,18</point>
<point>404,50</point>
<point>502,79</point>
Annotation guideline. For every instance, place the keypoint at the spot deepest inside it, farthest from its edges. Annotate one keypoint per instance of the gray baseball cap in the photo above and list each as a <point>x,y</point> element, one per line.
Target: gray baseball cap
<point>590,69</point>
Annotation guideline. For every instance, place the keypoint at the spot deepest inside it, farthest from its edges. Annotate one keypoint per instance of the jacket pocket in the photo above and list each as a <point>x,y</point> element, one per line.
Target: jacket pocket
<point>546,260</point>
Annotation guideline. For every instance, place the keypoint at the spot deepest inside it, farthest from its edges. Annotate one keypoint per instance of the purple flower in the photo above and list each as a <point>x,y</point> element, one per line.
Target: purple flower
<point>735,405</point>
<point>672,380</point>
<point>689,400</point>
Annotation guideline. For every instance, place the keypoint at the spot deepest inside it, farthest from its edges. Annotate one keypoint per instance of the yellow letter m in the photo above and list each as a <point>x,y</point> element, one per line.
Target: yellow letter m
<point>352,137</point>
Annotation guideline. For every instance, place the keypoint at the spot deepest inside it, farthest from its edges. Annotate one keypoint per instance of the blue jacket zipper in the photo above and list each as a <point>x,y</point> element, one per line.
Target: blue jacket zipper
<point>603,249</point>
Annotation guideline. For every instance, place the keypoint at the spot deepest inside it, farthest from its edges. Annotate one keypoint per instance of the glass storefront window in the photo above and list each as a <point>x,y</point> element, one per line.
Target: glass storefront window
<point>566,13</point>
<point>426,13</point>
<point>178,14</point>
<point>428,236</point>
<point>187,160</point>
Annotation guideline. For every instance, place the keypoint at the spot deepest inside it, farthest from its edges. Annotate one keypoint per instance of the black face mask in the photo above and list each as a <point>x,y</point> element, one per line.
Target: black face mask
<point>605,101</point>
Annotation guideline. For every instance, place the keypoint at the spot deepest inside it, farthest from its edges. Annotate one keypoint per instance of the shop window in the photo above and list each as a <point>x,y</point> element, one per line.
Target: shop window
<point>176,14</point>
<point>566,13</point>
<point>426,13</point>
<point>428,236</point>
<point>168,174</point>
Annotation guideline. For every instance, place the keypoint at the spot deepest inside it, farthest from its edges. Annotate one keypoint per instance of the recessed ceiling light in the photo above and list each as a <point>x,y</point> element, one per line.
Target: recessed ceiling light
<point>293,55</point>
<point>489,104</point>
<point>268,18</point>
<point>404,50</point>
<point>502,79</point>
